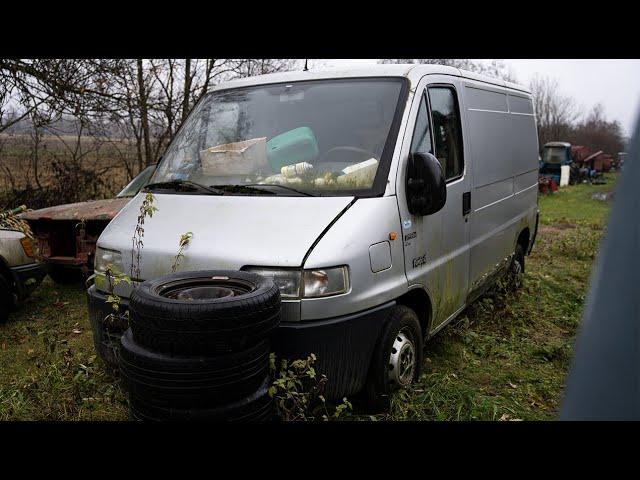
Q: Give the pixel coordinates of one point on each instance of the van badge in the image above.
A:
(410, 236)
(406, 224)
(419, 261)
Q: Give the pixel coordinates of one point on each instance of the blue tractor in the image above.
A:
(554, 156)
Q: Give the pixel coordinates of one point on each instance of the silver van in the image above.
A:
(382, 201)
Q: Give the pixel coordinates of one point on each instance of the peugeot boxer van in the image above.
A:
(382, 201)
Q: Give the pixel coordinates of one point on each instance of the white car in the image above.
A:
(20, 271)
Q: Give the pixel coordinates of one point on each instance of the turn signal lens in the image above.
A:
(325, 282)
(28, 247)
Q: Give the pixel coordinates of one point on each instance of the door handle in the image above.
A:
(466, 203)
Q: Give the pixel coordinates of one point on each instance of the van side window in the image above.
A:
(447, 131)
(421, 134)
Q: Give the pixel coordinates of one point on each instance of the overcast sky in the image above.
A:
(614, 83)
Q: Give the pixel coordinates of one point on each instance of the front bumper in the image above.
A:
(343, 345)
(28, 277)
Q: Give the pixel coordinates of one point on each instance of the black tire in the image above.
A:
(6, 299)
(192, 382)
(65, 275)
(209, 326)
(516, 269)
(378, 388)
(257, 407)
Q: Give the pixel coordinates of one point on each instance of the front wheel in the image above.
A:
(397, 359)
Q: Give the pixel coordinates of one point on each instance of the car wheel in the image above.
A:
(6, 299)
(397, 359)
(204, 312)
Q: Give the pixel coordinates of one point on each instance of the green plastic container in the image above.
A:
(295, 146)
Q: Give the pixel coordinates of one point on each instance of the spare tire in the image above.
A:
(204, 312)
(197, 381)
(257, 407)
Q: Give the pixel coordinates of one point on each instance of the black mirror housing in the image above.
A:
(426, 187)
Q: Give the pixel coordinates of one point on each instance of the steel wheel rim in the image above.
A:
(204, 289)
(402, 361)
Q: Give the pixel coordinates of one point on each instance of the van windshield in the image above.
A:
(325, 137)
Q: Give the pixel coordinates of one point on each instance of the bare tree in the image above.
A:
(597, 133)
(100, 113)
(555, 113)
(249, 67)
(495, 68)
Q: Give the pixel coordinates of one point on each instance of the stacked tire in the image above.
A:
(198, 347)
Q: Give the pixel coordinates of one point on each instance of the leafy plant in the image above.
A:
(298, 392)
(185, 238)
(147, 209)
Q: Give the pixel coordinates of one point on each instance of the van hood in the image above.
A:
(229, 232)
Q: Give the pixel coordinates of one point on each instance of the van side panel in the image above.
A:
(504, 153)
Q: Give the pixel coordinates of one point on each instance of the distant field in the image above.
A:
(505, 358)
(94, 154)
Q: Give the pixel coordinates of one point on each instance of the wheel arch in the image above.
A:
(524, 237)
(5, 271)
(419, 301)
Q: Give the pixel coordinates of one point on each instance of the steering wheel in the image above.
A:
(351, 150)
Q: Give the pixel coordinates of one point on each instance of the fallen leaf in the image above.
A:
(504, 417)
(512, 385)
(76, 331)
(60, 304)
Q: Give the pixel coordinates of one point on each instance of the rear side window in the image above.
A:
(421, 135)
(447, 131)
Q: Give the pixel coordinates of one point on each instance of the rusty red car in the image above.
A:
(67, 234)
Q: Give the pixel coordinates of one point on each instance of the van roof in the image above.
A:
(412, 71)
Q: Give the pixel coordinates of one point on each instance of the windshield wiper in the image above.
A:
(247, 189)
(183, 186)
(291, 189)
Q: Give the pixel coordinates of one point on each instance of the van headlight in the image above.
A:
(106, 258)
(314, 283)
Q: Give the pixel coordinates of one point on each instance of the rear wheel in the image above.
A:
(516, 270)
(397, 359)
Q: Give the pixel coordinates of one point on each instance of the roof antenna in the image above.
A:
(305, 69)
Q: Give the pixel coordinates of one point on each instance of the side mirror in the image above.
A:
(426, 187)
